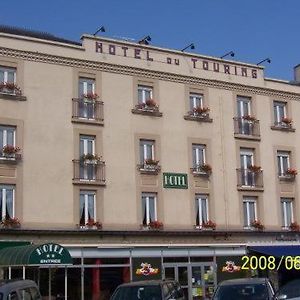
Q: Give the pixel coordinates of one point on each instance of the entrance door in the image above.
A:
(196, 279)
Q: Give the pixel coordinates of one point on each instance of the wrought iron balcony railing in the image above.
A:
(87, 109)
(246, 127)
(149, 168)
(10, 158)
(89, 171)
(249, 178)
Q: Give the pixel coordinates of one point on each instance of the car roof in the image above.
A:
(16, 283)
(244, 281)
(145, 282)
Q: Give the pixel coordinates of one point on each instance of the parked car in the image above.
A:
(149, 290)
(289, 291)
(244, 289)
(19, 290)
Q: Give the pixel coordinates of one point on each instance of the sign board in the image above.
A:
(175, 180)
(144, 268)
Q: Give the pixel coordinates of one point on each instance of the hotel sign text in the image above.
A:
(175, 180)
(195, 63)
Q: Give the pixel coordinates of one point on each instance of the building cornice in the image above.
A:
(134, 71)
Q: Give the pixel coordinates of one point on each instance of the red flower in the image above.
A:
(9, 149)
(156, 225)
(90, 96)
(209, 224)
(291, 171)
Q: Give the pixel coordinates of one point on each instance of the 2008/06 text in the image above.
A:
(270, 262)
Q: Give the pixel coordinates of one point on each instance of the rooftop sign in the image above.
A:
(176, 60)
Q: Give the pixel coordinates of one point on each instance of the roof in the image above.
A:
(243, 281)
(35, 34)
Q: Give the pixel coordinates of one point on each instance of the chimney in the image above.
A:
(297, 74)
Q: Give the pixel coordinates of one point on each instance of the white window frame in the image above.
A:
(281, 155)
(241, 100)
(86, 140)
(247, 201)
(5, 130)
(6, 70)
(144, 145)
(277, 116)
(287, 203)
(149, 197)
(196, 100)
(197, 150)
(144, 91)
(3, 190)
(199, 199)
(85, 82)
(86, 194)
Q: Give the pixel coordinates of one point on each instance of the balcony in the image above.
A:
(149, 108)
(283, 126)
(10, 91)
(199, 115)
(288, 175)
(87, 111)
(202, 170)
(246, 128)
(250, 180)
(9, 155)
(90, 172)
(150, 168)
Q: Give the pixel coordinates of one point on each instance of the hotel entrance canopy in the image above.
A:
(35, 255)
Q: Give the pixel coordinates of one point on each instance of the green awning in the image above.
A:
(35, 255)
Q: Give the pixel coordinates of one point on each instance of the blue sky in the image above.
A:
(253, 29)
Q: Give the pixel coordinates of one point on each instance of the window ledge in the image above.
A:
(282, 128)
(89, 182)
(291, 178)
(250, 188)
(201, 174)
(88, 121)
(247, 137)
(206, 119)
(153, 113)
(6, 96)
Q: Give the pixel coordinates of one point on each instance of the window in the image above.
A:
(7, 75)
(87, 206)
(147, 148)
(199, 157)
(86, 86)
(88, 168)
(7, 136)
(250, 213)
(201, 209)
(144, 93)
(283, 162)
(149, 212)
(196, 100)
(245, 118)
(287, 211)
(7, 201)
(247, 160)
(243, 106)
(279, 112)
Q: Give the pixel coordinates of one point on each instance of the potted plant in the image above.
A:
(156, 225)
(294, 226)
(10, 151)
(249, 118)
(257, 225)
(90, 96)
(287, 121)
(254, 168)
(90, 158)
(92, 224)
(151, 161)
(206, 168)
(209, 225)
(291, 172)
(11, 223)
(151, 103)
(10, 88)
(202, 111)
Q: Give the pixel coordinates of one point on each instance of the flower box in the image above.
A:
(294, 226)
(151, 103)
(209, 225)
(157, 225)
(150, 161)
(10, 150)
(287, 121)
(257, 225)
(254, 169)
(90, 158)
(202, 111)
(91, 224)
(292, 172)
(11, 223)
(10, 88)
(90, 96)
(249, 118)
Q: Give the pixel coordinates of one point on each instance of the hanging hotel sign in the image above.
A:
(206, 64)
(175, 180)
(146, 268)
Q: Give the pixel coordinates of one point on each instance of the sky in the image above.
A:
(253, 29)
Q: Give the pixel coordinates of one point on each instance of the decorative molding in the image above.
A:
(133, 71)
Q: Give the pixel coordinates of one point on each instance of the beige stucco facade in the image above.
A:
(47, 196)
